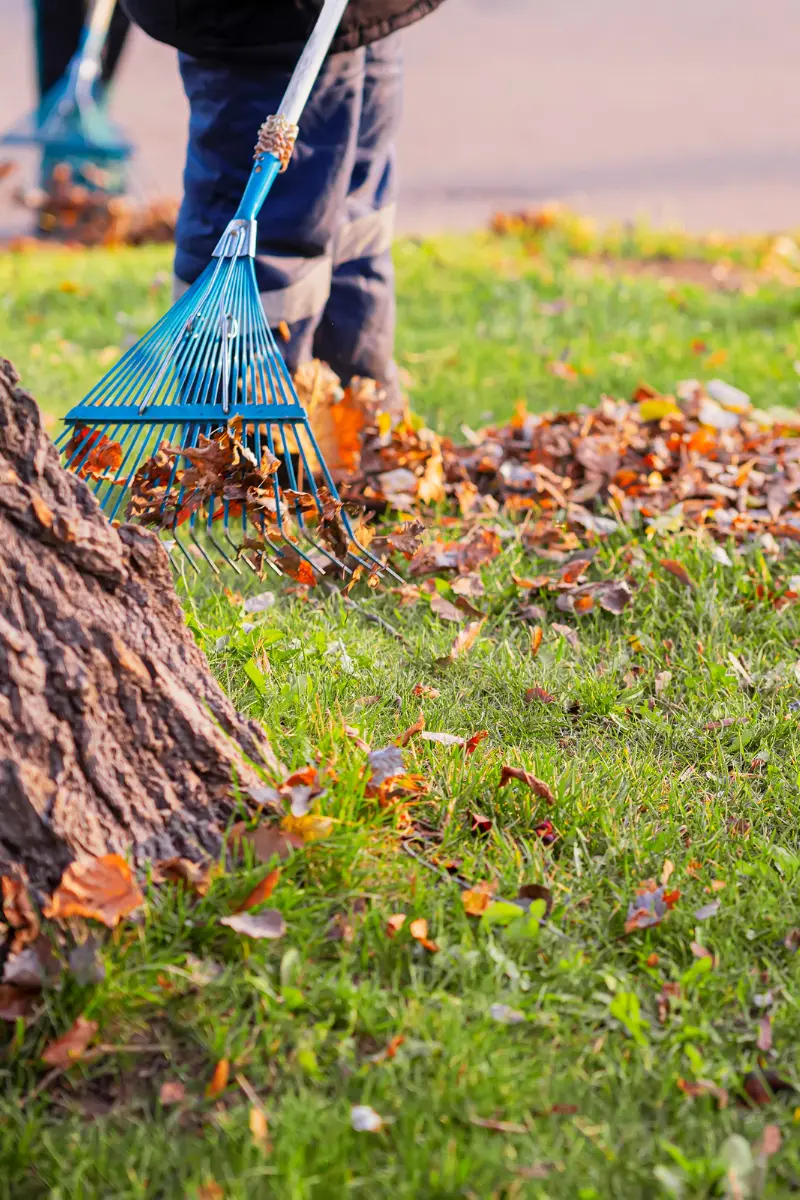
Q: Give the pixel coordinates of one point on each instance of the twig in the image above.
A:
(251, 1093)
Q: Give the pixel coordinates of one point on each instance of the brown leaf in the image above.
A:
(15, 1002)
(537, 891)
(704, 1087)
(469, 586)
(568, 633)
(678, 570)
(261, 892)
(536, 640)
(101, 889)
(422, 689)
(219, 1080)
(182, 870)
(760, 1087)
(267, 924)
(268, 841)
(499, 1126)
(770, 1141)
(412, 731)
(538, 694)
(464, 642)
(71, 1045)
(171, 1091)
(444, 609)
(614, 597)
(18, 912)
(537, 786)
(386, 764)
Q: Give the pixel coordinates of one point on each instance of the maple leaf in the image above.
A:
(101, 889)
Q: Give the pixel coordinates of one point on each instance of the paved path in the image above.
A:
(677, 109)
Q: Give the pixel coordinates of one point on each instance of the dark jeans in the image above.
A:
(57, 28)
(324, 261)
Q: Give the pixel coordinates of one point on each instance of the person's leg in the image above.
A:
(57, 32)
(356, 334)
(300, 218)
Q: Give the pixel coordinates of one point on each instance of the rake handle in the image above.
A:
(87, 62)
(267, 164)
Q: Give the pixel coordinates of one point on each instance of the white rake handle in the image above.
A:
(312, 58)
(87, 64)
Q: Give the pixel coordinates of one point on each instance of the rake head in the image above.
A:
(71, 123)
(198, 431)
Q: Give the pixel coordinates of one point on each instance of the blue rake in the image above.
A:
(208, 371)
(70, 122)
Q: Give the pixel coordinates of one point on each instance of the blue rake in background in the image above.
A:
(71, 121)
(209, 365)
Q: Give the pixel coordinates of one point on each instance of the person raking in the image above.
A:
(323, 263)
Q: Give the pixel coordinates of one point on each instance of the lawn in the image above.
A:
(565, 1059)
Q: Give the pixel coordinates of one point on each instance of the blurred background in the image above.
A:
(674, 110)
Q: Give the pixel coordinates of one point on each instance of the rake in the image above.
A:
(70, 122)
(208, 379)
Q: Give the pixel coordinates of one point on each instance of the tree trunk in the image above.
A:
(113, 734)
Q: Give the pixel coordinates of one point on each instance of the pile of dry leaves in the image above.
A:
(91, 216)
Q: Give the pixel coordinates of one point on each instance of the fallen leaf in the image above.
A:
(537, 786)
(443, 608)
(651, 905)
(422, 689)
(71, 1045)
(478, 898)
(568, 633)
(258, 1126)
(386, 764)
(261, 892)
(704, 1087)
(464, 642)
(478, 823)
(700, 951)
(419, 931)
(472, 743)
(181, 870)
(505, 1015)
(760, 1087)
(770, 1141)
(678, 570)
(171, 1091)
(408, 734)
(15, 1002)
(444, 739)
(268, 841)
(666, 871)
(267, 924)
(19, 913)
(537, 891)
(210, 1190)
(309, 828)
(499, 1126)
(539, 694)
(613, 597)
(365, 1119)
(395, 923)
(219, 1080)
(101, 889)
(764, 1036)
(536, 640)
(708, 910)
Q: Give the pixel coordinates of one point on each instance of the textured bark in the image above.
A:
(113, 734)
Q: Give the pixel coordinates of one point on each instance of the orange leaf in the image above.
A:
(261, 892)
(219, 1080)
(465, 641)
(472, 743)
(678, 570)
(102, 889)
(71, 1045)
(395, 922)
(476, 900)
(407, 734)
(18, 912)
(536, 639)
(539, 693)
(418, 928)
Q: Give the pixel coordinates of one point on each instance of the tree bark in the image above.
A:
(113, 734)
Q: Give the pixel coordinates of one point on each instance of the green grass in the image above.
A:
(639, 778)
